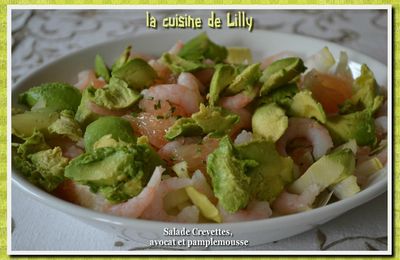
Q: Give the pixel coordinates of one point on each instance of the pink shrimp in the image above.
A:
(255, 210)
(69, 148)
(133, 208)
(160, 107)
(187, 98)
(164, 74)
(189, 214)
(154, 128)
(237, 101)
(270, 59)
(288, 203)
(309, 129)
(192, 150)
(188, 80)
(204, 75)
(237, 104)
(88, 78)
(176, 48)
(156, 211)
(200, 183)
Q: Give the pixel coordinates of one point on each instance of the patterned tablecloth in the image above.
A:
(41, 35)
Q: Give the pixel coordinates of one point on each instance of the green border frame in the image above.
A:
(3, 99)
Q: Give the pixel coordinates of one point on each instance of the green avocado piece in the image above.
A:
(245, 81)
(215, 120)
(269, 121)
(115, 95)
(122, 59)
(366, 95)
(239, 55)
(67, 126)
(178, 65)
(230, 183)
(33, 144)
(24, 125)
(183, 127)
(84, 115)
(119, 128)
(358, 125)
(118, 173)
(282, 96)
(201, 47)
(137, 73)
(222, 77)
(53, 96)
(328, 170)
(101, 68)
(304, 105)
(273, 172)
(44, 168)
(108, 141)
(212, 120)
(280, 73)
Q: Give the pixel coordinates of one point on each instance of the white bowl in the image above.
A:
(262, 44)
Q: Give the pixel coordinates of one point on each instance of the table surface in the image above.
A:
(39, 36)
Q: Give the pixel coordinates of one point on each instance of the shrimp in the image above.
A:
(255, 210)
(87, 78)
(237, 104)
(164, 74)
(188, 80)
(192, 150)
(69, 148)
(160, 107)
(151, 126)
(189, 214)
(187, 98)
(204, 75)
(133, 208)
(156, 211)
(176, 48)
(288, 203)
(200, 183)
(309, 129)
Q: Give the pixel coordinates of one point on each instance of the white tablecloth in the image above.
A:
(39, 36)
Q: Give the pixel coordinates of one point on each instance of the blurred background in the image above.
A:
(39, 36)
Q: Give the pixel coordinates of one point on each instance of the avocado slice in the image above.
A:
(358, 125)
(304, 105)
(328, 170)
(280, 73)
(245, 81)
(273, 172)
(222, 77)
(201, 47)
(67, 126)
(118, 173)
(53, 96)
(230, 183)
(212, 120)
(119, 128)
(122, 59)
(115, 95)
(269, 121)
(178, 65)
(137, 73)
(282, 96)
(101, 68)
(84, 115)
(24, 125)
(183, 127)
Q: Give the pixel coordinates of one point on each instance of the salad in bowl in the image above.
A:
(202, 134)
